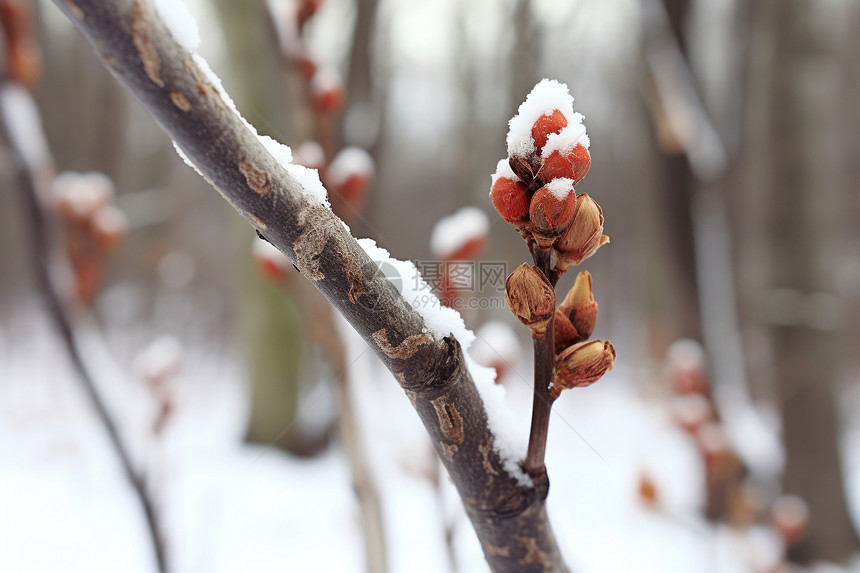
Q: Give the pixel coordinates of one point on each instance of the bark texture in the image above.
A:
(510, 519)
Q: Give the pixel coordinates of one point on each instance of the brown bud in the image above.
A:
(511, 200)
(585, 234)
(546, 124)
(552, 208)
(523, 167)
(582, 365)
(579, 305)
(648, 490)
(565, 333)
(531, 298)
(571, 164)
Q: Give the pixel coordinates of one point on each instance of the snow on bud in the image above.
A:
(460, 236)
(579, 305)
(790, 518)
(572, 163)
(350, 173)
(548, 123)
(310, 154)
(109, 226)
(159, 360)
(551, 210)
(547, 97)
(687, 367)
(585, 234)
(531, 298)
(691, 412)
(327, 91)
(271, 262)
(79, 195)
(582, 365)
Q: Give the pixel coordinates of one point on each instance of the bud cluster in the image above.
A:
(533, 189)
(93, 226)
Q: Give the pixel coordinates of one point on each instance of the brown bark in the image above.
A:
(509, 518)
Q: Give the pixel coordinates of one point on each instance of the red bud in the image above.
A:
(511, 200)
(551, 212)
(546, 124)
(570, 164)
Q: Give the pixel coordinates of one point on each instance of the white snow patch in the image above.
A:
(159, 359)
(82, 193)
(495, 341)
(454, 231)
(310, 154)
(569, 137)
(511, 441)
(309, 179)
(325, 80)
(561, 188)
(219, 87)
(284, 18)
(110, 220)
(440, 321)
(24, 125)
(348, 162)
(503, 170)
(180, 22)
(279, 151)
(185, 158)
(547, 95)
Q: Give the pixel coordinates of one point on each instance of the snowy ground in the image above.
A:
(64, 505)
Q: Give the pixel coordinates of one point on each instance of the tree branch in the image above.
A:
(509, 518)
(33, 170)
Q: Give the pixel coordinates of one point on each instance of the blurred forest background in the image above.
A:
(726, 156)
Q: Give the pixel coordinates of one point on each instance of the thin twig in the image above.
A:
(29, 185)
(544, 364)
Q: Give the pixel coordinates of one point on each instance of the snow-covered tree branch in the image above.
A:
(421, 343)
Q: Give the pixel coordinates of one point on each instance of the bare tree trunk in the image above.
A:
(509, 517)
(802, 203)
(678, 185)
